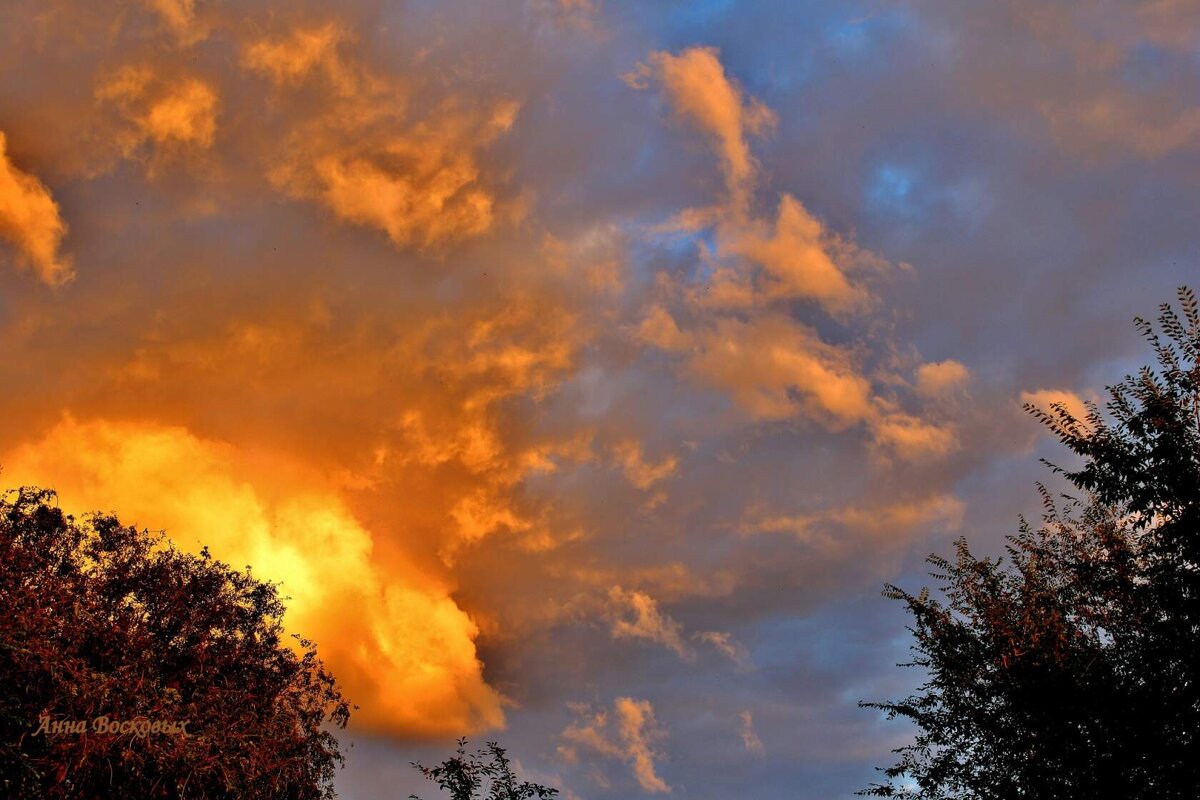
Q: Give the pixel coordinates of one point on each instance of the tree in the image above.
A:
(1068, 669)
(465, 775)
(131, 669)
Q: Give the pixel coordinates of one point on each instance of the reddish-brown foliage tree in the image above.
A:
(1071, 667)
(102, 620)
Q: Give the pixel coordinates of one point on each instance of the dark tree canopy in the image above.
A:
(1069, 668)
(483, 775)
(102, 620)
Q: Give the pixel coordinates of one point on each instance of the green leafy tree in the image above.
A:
(103, 621)
(483, 775)
(1068, 668)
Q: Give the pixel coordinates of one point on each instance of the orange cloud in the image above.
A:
(845, 528)
(1046, 399)
(796, 258)
(406, 655)
(423, 187)
(420, 398)
(171, 116)
(633, 740)
(638, 731)
(939, 378)
(659, 329)
(30, 221)
(290, 59)
(179, 16)
(703, 95)
(912, 438)
(635, 615)
(640, 472)
(776, 368)
(734, 326)
(366, 157)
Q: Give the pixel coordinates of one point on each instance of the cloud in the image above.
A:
(1084, 74)
(31, 222)
(179, 16)
(630, 737)
(1121, 122)
(911, 438)
(423, 186)
(573, 16)
(701, 94)
(726, 645)
(406, 655)
(659, 329)
(363, 152)
(642, 473)
(733, 322)
(1047, 399)
(750, 741)
(940, 378)
(639, 730)
(844, 528)
(795, 254)
(635, 615)
(291, 59)
(169, 116)
(776, 368)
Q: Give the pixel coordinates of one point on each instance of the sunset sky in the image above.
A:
(584, 368)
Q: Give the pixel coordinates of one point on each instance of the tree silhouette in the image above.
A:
(483, 775)
(1069, 668)
(129, 669)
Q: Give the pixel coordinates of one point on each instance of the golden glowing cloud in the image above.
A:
(423, 187)
(365, 156)
(30, 221)
(402, 648)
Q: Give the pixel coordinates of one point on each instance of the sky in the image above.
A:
(583, 369)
